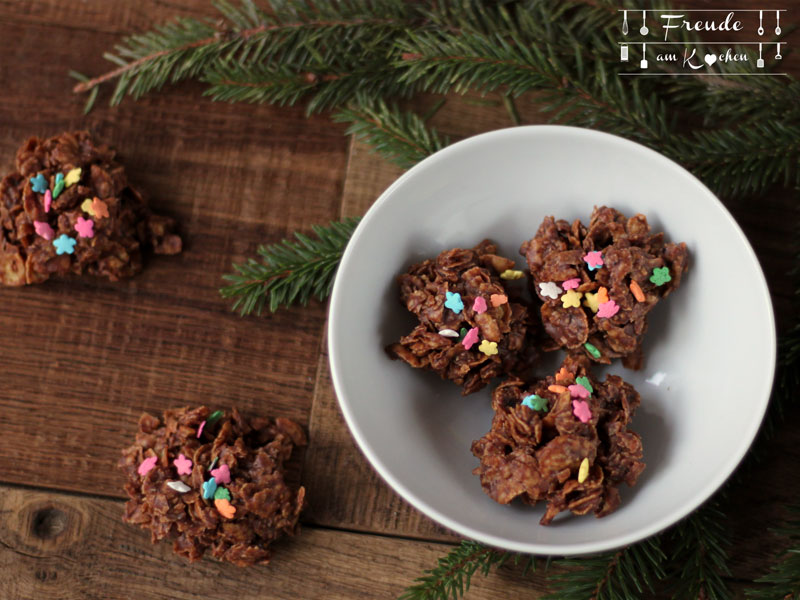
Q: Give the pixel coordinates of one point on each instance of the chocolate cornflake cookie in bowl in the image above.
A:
(469, 329)
(213, 481)
(69, 209)
(598, 283)
(563, 440)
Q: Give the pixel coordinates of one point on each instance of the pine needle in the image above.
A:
(290, 271)
(783, 580)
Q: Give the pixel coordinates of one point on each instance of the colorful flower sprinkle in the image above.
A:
(209, 487)
(488, 348)
(602, 295)
(225, 508)
(591, 349)
(178, 486)
(498, 299)
(200, 429)
(535, 402)
(563, 375)
(73, 177)
(99, 208)
(549, 289)
(607, 309)
(556, 389)
(222, 474)
(146, 465)
(580, 408)
(479, 305)
(453, 302)
(571, 299)
(43, 229)
(571, 284)
(583, 470)
(637, 292)
(578, 391)
(470, 339)
(183, 465)
(584, 381)
(222, 494)
(591, 302)
(58, 187)
(660, 276)
(512, 274)
(215, 416)
(594, 259)
(48, 201)
(462, 333)
(84, 227)
(39, 184)
(64, 244)
(451, 333)
(86, 206)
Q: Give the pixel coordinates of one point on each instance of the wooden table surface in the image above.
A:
(81, 361)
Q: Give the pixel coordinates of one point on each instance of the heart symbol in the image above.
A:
(710, 59)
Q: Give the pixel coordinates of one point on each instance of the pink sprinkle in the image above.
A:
(200, 429)
(479, 306)
(48, 200)
(183, 464)
(581, 410)
(571, 284)
(44, 230)
(471, 338)
(222, 474)
(84, 227)
(594, 259)
(578, 391)
(147, 464)
(607, 309)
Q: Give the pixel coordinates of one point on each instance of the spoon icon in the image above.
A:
(644, 30)
(624, 22)
(778, 55)
(777, 22)
(761, 22)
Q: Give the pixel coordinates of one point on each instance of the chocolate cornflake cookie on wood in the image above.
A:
(598, 283)
(213, 481)
(563, 440)
(469, 331)
(69, 209)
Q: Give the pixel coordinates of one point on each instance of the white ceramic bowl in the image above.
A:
(714, 338)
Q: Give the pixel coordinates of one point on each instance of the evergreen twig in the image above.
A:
(783, 580)
(290, 271)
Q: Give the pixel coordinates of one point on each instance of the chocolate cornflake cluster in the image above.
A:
(563, 440)
(469, 330)
(213, 481)
(597, 284)
(68, 209)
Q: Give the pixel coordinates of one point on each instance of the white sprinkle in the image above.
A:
(448, 333)
(550, 289)
(178, 486)
(656, 378)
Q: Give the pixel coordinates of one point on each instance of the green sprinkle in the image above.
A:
(58, 187)
(584, 381)
(215, 416)
(535, 402)
(222, 494)
(592, 350)
(213, 462)
(660, 276)
(462, 333)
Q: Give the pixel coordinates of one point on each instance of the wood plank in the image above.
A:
(62, 546)
(81, 360)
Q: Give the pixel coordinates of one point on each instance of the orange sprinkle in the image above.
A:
(498, 299)
(637, 292)
(225, 508)
(563, 375)
(557, 389)
(602, 295)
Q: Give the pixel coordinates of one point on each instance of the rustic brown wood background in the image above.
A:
(79, 362)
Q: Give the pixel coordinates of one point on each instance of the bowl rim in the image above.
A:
(701, 495)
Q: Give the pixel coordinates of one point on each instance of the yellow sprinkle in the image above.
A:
(591, 301)
(86, 206)
(583, 471)
(488, 348)
(512, 274)
(73, 177)
(571, 298)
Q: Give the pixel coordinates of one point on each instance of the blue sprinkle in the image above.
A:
(39, 184)
(209, 487)
(454, 302)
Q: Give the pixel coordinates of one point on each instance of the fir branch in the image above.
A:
(290, 271)
(616, 575)
(699, 555)
(783, 580)
(402, 138)
(452, 576)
